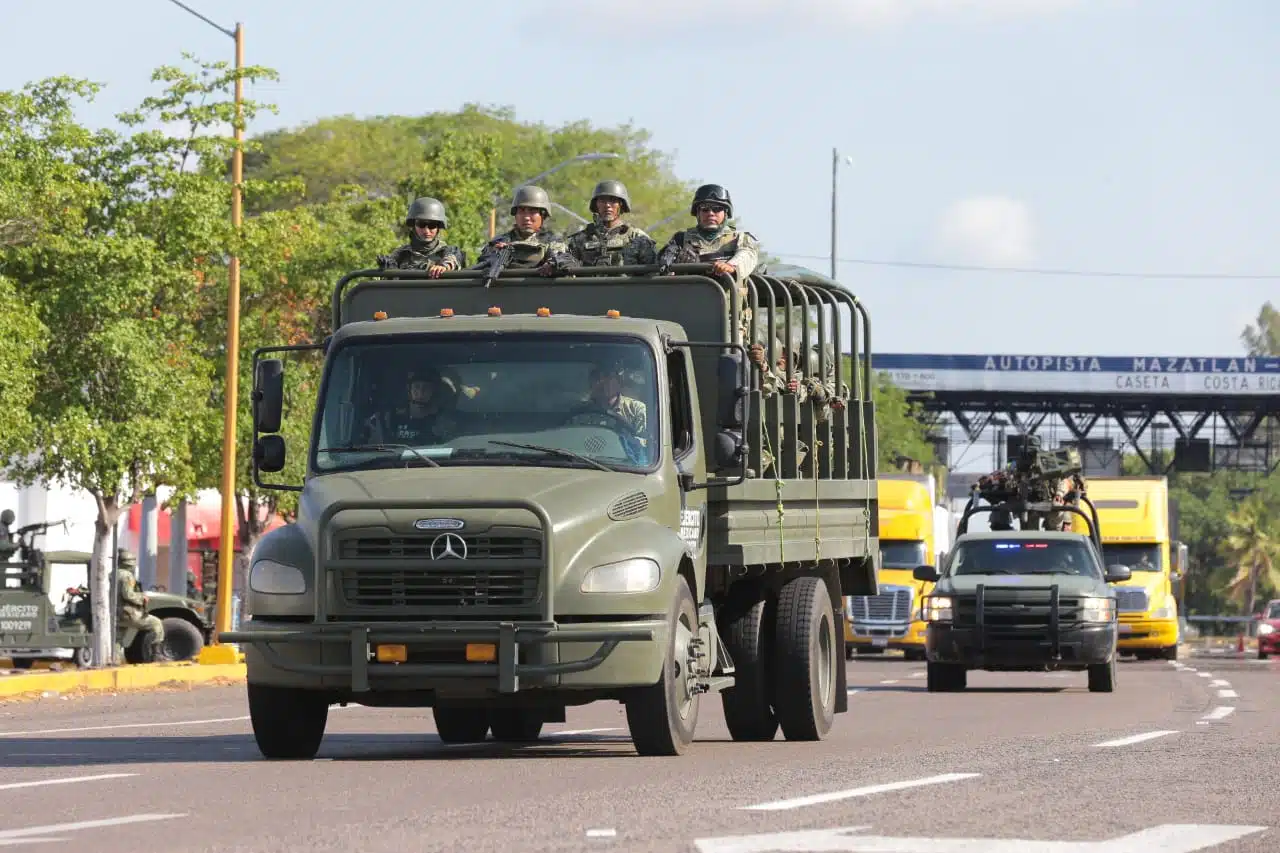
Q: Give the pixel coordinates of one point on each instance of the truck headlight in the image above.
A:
(637, 575)
(1097, 609)
(1165, 612)
(272, 578)
(1264, 629)
(937, 608)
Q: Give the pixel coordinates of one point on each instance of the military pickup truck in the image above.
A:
(1022, 601)
(476, 535)
(32, 627)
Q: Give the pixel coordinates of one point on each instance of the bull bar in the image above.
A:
(505, 634)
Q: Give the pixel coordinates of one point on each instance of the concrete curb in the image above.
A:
(136, 677)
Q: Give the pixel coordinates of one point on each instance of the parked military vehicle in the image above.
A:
(511, 549)
(33, 627)
(1028, 600)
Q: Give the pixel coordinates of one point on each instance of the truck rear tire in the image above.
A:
(805, 660)
(182, 639)
(662, 717)
(288, 722)
(1102, 677)
(1171, 653)
(946, 677)
(460, 725)
(515, 725)
(748, 704)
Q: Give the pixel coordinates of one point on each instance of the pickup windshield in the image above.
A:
(562, 400)
(1025, 557)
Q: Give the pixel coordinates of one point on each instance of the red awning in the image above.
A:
(204, 522)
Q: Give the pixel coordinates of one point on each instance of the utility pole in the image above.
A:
(835, 173)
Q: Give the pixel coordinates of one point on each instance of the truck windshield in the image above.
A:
(1139, 558)
(1025, 557)
(560, 400)
(901, 555)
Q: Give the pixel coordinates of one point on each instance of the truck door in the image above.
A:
(688, 453)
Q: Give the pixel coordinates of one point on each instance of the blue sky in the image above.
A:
(1122, 135)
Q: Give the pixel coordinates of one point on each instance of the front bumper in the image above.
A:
(1269, 644)
(1073, 646)
(886, 636)
(1147, 633)
(337, 655)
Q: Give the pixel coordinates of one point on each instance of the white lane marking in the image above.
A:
(833, 796)
(28, 832)
(67, 781)
(1228, 694)
(601, 833)
(919, 674)
(1205, 674)
(159, 724)
(1132, 739)
(890, 681)
(1217, 713)
(853, 690)
(1166, 838)
(1218, 682)
(573, 732)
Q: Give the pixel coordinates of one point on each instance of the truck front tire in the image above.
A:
(663, 716)
(460, 725)
(1102, 677)
(805, 660)
(288, 722)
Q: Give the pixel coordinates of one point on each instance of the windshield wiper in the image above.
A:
(373, 448)
(558, 451)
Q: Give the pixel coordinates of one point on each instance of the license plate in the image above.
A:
(880, 642)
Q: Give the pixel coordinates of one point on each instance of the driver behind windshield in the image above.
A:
(425, 417)
(605, 396)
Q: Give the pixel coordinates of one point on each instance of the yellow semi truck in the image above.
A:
(1133, 513)
(914, 531)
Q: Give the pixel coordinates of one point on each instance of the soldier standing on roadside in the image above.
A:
(531, 246)
(608, 241)
(425, 250)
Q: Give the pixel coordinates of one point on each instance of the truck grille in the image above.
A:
(419, 548)
(432, 587)
(891, 605)
(1131, 600)
(1014, 612)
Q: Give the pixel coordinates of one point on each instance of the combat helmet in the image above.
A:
(713, 193)
(126, 560)
(531, 196)
(427, 208)
(616, 189)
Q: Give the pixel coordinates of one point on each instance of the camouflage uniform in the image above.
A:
(725, 243)
(133, 606)
(531, 249)
(402, 425)
(597, 245)
(419, 254)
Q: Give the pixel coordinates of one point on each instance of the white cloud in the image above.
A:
(860, 14)
(988, 230)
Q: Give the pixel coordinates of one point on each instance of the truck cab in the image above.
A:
(523, 494)
(891, 619)
(1134, 514)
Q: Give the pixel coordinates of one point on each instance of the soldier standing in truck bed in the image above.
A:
(531, 246)
(425, 250)
(608, 240)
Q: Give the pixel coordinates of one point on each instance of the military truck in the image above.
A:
(517, 551)
(1028, 600)
(33, 627)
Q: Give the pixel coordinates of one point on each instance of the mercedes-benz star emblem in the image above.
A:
(448, 545)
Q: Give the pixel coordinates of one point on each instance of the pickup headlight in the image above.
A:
(1097, 609)
(938, 608)
(637, 575)
(272, 578)
(1264, 630)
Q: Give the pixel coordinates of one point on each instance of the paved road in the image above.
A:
(1015, 757)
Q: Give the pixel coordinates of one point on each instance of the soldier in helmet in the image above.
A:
(608, 241)
(133, 605)
(425, 250)
(532, 247)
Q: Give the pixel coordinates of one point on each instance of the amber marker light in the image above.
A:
(613, 313)
(379, 315)
(393, 654)
(544, 312)
(495, 311)
(482, 652)
(446, 312)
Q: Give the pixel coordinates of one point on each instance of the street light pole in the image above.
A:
(581, 158)
(835, 173)
(226, 544)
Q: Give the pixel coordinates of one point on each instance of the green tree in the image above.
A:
(1263, 337)
(1253, 543)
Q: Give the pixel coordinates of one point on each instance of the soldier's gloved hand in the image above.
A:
(386, 261)
(435, 271)
(724, 267)
(793, 385)
(757, 355)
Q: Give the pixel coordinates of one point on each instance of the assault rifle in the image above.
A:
(671, 255)
(497, 262)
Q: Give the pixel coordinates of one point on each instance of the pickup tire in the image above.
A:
(460, 725)
(515, 725)
(288, 722)
(805, 659)
(1102, 677)
(748, 704)
(182, 640)
(662, 717)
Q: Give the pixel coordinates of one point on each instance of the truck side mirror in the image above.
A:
(730, 392)
(268, 453)
(1117, 573)
(925, 573)
(268, 396)
(729, 448)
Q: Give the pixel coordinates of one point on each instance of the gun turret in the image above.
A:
(1036, 476)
